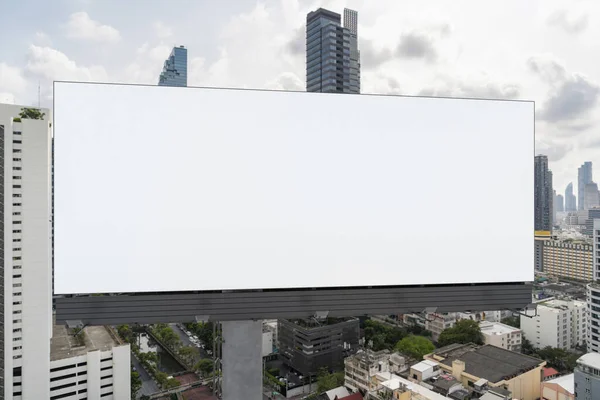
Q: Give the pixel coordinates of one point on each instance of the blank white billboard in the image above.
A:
(179, 189)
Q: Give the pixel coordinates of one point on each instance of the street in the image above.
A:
(186, 342)
(148, 385)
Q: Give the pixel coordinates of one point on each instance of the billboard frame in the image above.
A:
(239, 305)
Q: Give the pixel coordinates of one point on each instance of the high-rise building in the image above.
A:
(25, 261)
(332, 55)
(591, 198)
(543, 194)
(559, 203)
(584, 176)
(587, 377)
(174, 71)
(570, 199)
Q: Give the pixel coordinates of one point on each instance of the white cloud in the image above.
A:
(162, 31)
(82, 27)
(13, 85)
(42, 39)
(46, 65)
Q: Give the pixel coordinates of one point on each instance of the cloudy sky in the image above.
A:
(541, 50)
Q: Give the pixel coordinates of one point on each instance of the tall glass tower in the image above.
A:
(332, 55)
(584, 176)
(174, 72)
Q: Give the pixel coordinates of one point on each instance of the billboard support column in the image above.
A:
(242, 360)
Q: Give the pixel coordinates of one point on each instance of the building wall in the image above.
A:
(26, 255)
(94, 376)
(551, 327)
(307, 350)
(267, 343)
(501, 335)
(587, 384)
(593, 326)
(553, 391)
(568, 260)
(436, 323)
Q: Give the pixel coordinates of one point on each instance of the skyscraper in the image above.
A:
(332, 55)
(590, 196)
(584, 176)
(560, 203)
(543, 194)
(174, 71)
(570, 199)
(25, 261)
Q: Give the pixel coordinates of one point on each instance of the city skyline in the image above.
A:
(404, 50)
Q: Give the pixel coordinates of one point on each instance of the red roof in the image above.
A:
(354, 396)
(550, 372)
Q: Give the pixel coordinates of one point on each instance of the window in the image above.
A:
(17, 222)
(16, 159)
(16, 240)
(17, 195)
(17, 249)
(16, 177)
(16, 186)
(17, 141)
(17, 285)
(17, 347)
(17, 151)
(16, 168)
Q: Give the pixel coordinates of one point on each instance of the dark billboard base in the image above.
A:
(150, 308)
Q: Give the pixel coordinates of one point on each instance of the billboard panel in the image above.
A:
(163, 189)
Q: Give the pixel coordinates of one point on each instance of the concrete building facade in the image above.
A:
(568, 259)
(587, 377)
(501, 335)
(558, 323)
(25, 261)
(94, 366)
(543, 197)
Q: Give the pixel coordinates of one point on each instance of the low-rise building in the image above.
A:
(501, 335)
(560, 388)
(403, 389)
(361, 367)
(424, 371)
(436, 323)
(492, 367)
(93, 364)
(557, 323)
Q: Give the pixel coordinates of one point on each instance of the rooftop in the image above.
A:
(489, 362)
(424, 365)
(549, 372)
(65, 345)
(397, 382)
(590, 359)
(496, 328)
(567, 382)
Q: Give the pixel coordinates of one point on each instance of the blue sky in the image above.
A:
(542, 50)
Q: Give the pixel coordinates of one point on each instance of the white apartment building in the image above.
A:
(501, 335)
(26, 255)
(559, 323)
(98, 370)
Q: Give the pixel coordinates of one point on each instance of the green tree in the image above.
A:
(512, 321)
(463, 331)
(125, 333)
(527, 347)
(327, 381)
(171, 383)
(31, 113)
(188, 353)
(415, 346)
(382, 335)
(563, 360)
(136, 384)
(205, 366)
(161, 378)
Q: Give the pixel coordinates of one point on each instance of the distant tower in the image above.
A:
(174, 71)
(332, 55)
(543, 194)
(584, 176)
(560, 203)
(570, 199)
(590, 196)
